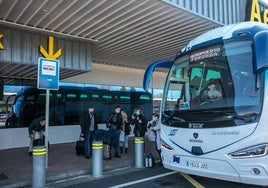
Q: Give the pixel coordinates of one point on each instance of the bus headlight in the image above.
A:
(165, 145)
(254, 151)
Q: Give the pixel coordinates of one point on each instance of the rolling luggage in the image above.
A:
(79, 147)
(106, 151)
(103, 135)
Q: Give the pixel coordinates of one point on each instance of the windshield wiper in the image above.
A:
(245, 117)
(223, 116)
(172, 116)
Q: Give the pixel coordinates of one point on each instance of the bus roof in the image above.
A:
(225, 32)
(29, 89)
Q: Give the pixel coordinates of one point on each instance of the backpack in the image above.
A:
(149, 161)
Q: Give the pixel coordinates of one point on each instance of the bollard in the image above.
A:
(139, 151)
(39, 167)
(97, 158)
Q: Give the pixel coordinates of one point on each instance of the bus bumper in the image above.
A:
(218, 169)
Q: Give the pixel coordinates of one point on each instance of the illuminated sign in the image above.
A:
(256, 11)
(1, 45)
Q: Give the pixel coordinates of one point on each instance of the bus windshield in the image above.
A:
(213, 83)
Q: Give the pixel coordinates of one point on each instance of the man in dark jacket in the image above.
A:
(114, 124)
(38, 125)
(89, 124)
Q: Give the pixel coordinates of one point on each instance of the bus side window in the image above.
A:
(72, 107)
(28, 110)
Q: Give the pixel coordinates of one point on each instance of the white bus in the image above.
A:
(218, 125)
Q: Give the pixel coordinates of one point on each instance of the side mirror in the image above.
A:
(260, 52)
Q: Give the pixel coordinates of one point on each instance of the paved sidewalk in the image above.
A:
(63, 163)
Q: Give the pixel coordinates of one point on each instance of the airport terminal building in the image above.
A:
(104, 43)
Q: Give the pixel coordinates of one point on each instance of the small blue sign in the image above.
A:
(48, 74)
(176, 159)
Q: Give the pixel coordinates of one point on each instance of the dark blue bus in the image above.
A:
(67, 104)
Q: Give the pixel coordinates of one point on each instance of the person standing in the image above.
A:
(154, 126)
(38, 125)
(88, 127)
(140, 122)
(114, 124)
(126, 131)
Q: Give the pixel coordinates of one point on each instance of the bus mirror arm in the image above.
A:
(149, 71)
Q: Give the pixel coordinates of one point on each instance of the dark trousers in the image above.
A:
(88, 143)
(115, 139)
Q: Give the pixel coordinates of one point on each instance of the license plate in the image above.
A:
(196, 164)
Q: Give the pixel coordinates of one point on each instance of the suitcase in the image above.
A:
(106, 151)
(103, 135)
(79, 147)
(39, 142)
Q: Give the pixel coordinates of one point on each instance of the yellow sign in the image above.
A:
(1, 45)
(256, 15)
(50, 53)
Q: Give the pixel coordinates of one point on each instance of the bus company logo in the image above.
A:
(172, 132)
(195, 140)
(195, 135)
(195, 125)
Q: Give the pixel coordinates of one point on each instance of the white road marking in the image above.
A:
(143, 180)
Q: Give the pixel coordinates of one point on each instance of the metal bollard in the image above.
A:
(139, 152)
(97, 158)
(39, 167)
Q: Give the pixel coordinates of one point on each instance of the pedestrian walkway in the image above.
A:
(63, 163)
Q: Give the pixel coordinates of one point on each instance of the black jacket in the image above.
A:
(115, 121)
(140, 123)
(86, 122)
(35, 126)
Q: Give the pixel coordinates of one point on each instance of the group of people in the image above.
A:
(118, 124)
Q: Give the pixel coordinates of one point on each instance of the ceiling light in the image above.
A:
(45, 9)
